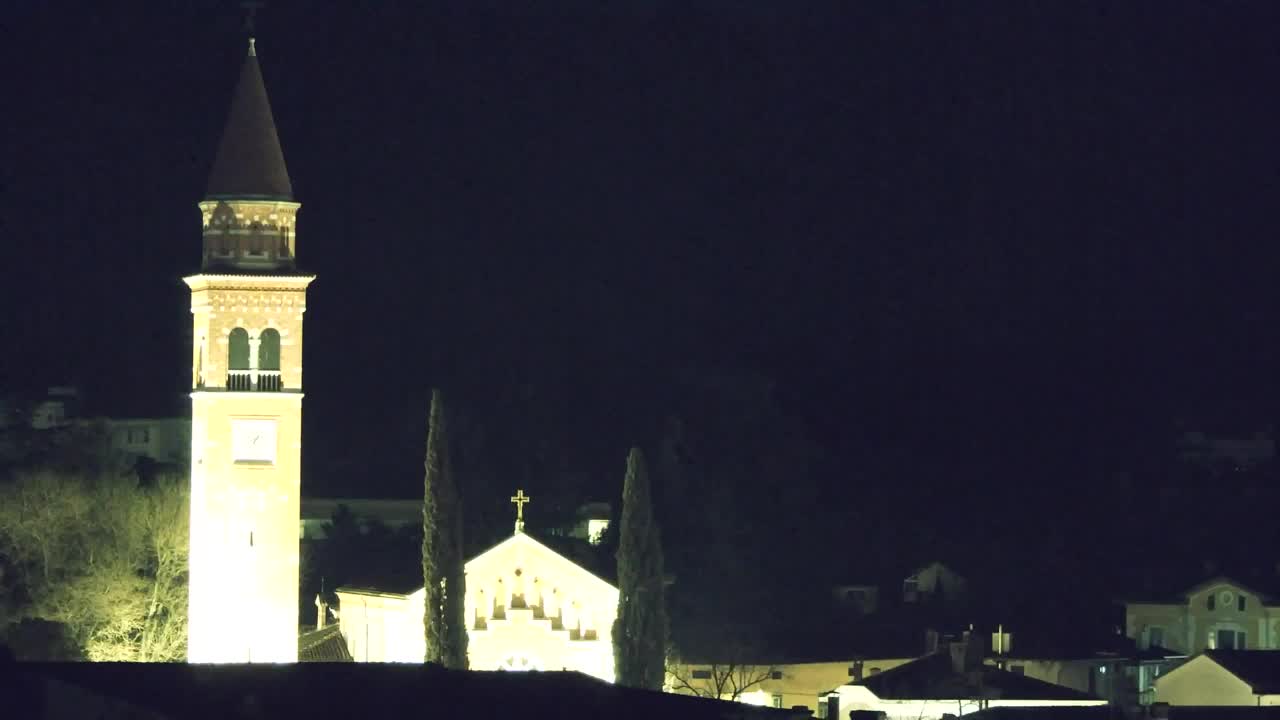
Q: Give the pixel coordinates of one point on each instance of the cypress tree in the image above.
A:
(444, 614)
(454, 575)
(640, 631)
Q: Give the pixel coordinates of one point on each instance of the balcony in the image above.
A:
(254, 381)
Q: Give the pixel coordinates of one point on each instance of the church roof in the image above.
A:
(522, 537)
(250, 163)
(409, 581)
(323, 645)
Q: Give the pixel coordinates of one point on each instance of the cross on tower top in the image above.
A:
(251, 10)
(520, 499)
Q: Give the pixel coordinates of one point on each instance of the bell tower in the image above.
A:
(246, 401)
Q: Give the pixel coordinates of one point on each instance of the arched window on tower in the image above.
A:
(220, 224)
(282, 248)
(238, 373)
(256, 246)
(269, 360)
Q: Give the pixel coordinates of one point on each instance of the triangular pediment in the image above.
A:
(518, 550)
(521, 548)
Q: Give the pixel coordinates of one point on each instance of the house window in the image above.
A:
(777, 701)
(775, 675)
(1227, 640)
(1155, 637)
(910, 589)
(701, 674)
(1212, 602)
(138, 436)
(822, 709)
(1018, 669)
(1240, 603)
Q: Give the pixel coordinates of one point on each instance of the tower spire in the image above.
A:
(249, 214)
(250, 163)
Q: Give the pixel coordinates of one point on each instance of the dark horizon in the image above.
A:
(967, 246)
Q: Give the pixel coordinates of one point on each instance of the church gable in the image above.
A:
(521, 549)
(528, 607)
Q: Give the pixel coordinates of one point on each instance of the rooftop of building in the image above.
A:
(1260, 669)
(933, 677)
(323, 645)
(341, 690)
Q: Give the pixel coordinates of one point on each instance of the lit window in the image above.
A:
(595, 530)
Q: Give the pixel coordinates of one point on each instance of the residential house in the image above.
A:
(780, 685)
(57, 409)
(934, 581)
(1221, 613)
(803, 661)
(948, 682)
(591, 521)
(859, 599)
(161, 440)
(1113, 670)
(935, 586)
(317, 513)
(1223, 677)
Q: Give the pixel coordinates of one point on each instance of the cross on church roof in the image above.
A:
(520, 499)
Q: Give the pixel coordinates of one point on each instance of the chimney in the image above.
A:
(322, 611)
(930, 641)
(958, 651)
(975, 655)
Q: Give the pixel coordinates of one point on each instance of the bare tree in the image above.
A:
(728, 680)
(104, 558)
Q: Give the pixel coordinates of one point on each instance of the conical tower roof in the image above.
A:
(249, 163)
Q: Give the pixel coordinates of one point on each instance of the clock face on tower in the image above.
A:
(253, 441)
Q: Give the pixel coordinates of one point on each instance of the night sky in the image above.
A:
(970, 244)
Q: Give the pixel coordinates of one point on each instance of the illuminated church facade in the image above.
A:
(527, 608)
